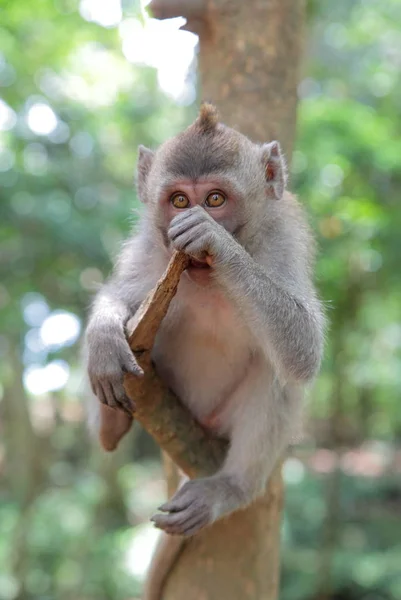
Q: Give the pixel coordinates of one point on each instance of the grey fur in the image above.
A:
(255, 333)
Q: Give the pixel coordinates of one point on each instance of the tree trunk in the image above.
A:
(249, 59)
(237, 558)
(249, 66)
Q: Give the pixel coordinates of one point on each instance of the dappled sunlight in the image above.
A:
(8, 118)
(94, 76)
(41, 119)
(35, 309)
(162, 45)
(293, 471)
(60, 329)
(39, 380)
(50, 332)
(107, 13)
(140, 549)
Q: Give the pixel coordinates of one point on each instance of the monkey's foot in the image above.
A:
(197, 504)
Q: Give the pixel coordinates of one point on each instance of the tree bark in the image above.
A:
(249, 59)
(237, 558)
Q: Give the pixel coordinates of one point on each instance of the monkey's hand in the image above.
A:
(199, 503)
(109, 357)
(196, 233)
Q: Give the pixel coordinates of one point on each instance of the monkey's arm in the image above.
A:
(110, 310)
(288, 321)
(120, 296)
(107, 350)
(276, 300)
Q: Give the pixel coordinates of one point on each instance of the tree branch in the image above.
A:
(158, 410)
(168, 9)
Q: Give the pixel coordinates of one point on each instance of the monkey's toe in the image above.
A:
(185, 522)
(187, 512)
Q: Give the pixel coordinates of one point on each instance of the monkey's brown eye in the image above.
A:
(215, 199)
(179, 201)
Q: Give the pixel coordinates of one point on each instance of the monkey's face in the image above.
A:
(216, 195)
(216, 168)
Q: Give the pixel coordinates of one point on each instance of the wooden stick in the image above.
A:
(158, 410)
(143, 326)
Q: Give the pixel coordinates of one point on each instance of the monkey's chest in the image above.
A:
(202, 353)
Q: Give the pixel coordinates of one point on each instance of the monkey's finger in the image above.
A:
(124, 402)
(183, 216)
(179, 502)
(108, 392)
(193, 237)
(98, 391)
(120, 394)
(182, 523)
(191, 217)
(181, 530)
(129, 365)
(172, 519)
(194, 528)
(188, 226)
(176, 522)
(180, 219)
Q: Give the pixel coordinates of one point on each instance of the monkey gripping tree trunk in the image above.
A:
(249, 61)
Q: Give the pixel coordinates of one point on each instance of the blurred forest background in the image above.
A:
(81, 85)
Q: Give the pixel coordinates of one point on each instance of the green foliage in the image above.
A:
(347, 168)
(366, 559)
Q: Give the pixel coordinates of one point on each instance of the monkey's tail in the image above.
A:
(167, 551)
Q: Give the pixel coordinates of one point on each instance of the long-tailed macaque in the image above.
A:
(243, 337)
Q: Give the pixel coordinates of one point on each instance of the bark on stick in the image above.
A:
(158, 410)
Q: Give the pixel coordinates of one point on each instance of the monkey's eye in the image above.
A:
(179, 201)
(215, 199)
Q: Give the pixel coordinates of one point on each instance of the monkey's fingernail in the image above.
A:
(162, 507)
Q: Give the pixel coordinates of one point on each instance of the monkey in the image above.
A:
(244, 335)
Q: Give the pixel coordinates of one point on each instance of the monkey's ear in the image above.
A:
(145, 159)
(275, 170)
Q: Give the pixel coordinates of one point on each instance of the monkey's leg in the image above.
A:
(263, 429)
(263, 423)
(114, 424)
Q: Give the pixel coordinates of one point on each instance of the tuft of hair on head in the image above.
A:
(208, 118)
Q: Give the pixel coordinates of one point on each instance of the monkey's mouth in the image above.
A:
(198, 264)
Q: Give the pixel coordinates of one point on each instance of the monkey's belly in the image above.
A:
(203, 349)
(203, 372)
(205, 387)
